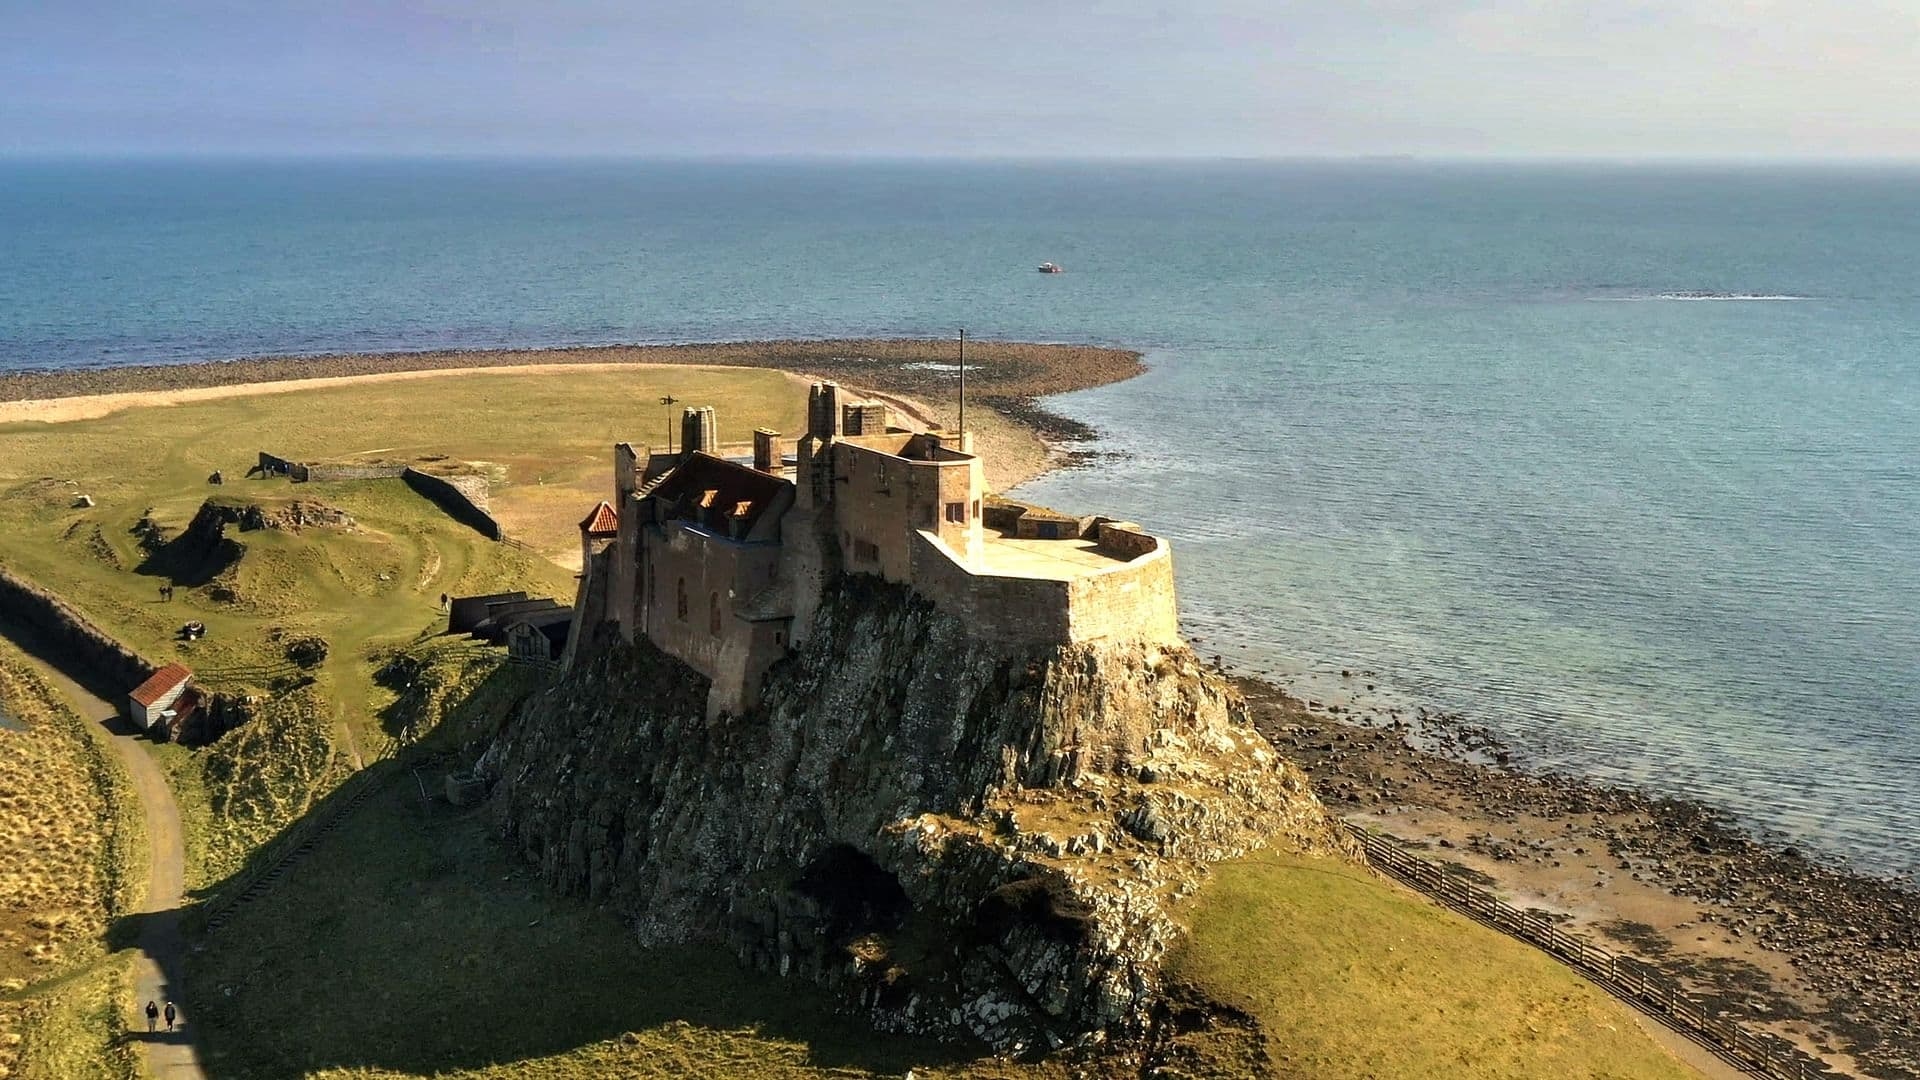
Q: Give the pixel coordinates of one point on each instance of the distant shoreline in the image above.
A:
(1007, 376)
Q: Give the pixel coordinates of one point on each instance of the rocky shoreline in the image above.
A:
(1821, 955)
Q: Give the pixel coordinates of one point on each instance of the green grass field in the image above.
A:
(1349, 977)
(545, 438)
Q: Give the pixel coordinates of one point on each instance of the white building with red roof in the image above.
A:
(154, 699)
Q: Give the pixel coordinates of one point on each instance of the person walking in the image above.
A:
(172, 1014)
(153, 1013)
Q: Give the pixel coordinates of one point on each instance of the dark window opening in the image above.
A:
(713, 613)
(957, 513)
(680, 600)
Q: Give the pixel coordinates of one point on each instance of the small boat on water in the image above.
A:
(1052, 268)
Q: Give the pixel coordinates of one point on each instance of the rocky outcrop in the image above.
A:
(203, 551)
(963, 838)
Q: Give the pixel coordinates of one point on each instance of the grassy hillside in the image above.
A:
(365, 588)
(1349, 977)
(70, 840)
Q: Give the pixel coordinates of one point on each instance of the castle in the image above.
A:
(721, 561)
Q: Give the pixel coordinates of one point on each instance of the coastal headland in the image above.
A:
(1823, 957)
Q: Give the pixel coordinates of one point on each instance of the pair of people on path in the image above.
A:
(166, 593)
(153, 1013)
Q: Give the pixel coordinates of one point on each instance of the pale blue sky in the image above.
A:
(1505, 78)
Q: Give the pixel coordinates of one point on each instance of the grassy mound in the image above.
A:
(1346, 976)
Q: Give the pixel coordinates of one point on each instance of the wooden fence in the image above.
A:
(1626, 978)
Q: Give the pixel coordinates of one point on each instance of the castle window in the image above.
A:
(957, 513)
(976, 509)
(713, 613)
(865, 551)
(680, 599)
(779, 638)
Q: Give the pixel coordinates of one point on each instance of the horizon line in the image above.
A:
(618, 157)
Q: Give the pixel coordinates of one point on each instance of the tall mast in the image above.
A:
(963, 384)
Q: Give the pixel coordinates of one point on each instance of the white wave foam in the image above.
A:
(1641, 298)
(1728, 296)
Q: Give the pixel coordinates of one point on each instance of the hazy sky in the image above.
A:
(987, 77)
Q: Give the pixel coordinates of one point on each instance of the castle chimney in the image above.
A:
(699, 432)
(766, 451)
(866, 418)
(823, 410)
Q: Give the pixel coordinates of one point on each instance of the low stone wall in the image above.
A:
(457, 503)
(323, 470)
(71, 632)
(301, 472)
(1124, 539)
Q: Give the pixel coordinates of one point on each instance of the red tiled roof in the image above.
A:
(604, 521)
(160, 683)
(705, 485)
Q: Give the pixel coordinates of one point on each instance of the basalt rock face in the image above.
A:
(963, 838)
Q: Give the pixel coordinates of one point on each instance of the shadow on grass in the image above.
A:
(408, 940)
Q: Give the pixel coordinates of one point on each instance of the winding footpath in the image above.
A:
(158, 970)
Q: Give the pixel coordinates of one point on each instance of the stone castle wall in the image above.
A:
(1132, 601)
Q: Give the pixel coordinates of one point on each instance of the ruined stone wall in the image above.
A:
(456, 501)
(1040, 813)
(338, 470)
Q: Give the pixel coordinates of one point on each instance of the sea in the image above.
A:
(1622, 462)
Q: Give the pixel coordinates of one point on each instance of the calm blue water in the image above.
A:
(1468, 427)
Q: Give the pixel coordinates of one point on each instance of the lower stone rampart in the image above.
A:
(1131, 600)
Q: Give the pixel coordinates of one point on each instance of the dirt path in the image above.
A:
(157, 970)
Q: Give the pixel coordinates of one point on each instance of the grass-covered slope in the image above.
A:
(1347, 976)
(70, 838)
(364, 587)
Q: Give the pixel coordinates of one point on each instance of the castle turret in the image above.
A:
(699, 431)
(621, 582)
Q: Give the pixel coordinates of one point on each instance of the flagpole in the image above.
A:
(963, 385)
